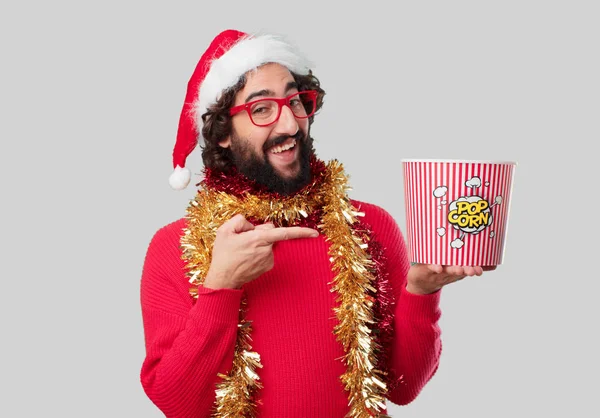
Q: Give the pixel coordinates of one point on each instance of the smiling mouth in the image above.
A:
(283, 147)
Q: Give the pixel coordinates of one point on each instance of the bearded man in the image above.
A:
(277, 295)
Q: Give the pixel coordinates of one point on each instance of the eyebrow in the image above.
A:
(266, 92)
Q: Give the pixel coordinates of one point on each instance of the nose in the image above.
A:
(287, 123)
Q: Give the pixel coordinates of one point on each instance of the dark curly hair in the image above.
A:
(217, 121)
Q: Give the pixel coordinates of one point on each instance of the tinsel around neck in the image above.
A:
(362, 292)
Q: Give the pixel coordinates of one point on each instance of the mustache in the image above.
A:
(298, 136)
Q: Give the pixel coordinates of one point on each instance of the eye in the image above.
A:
(295, 102)
(257, 110)
(263, 108)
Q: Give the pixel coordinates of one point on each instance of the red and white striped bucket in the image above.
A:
(457, 211)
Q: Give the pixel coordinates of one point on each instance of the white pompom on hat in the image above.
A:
(230, 55)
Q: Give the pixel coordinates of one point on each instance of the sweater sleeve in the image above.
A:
(187, 344)
(416, 344)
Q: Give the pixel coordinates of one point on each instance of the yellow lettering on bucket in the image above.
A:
(470, 215)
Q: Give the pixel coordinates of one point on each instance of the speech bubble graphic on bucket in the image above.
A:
(457, 210)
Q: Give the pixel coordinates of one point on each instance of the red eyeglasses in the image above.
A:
(264, 112)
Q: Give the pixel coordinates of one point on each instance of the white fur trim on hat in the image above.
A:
(180, 178)
(247, 54)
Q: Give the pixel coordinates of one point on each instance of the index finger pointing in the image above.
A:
(287, 233)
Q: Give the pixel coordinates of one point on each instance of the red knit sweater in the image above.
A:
(291, 308)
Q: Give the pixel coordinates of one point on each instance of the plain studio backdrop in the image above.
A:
(91, 94)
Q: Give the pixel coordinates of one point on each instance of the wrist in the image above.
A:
(215, 280)
(416, 290)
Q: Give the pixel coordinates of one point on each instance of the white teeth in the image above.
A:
(280, 148)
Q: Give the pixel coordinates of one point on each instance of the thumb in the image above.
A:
(238, 224)
(436, 268)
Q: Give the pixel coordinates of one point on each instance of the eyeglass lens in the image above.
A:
(265, 111)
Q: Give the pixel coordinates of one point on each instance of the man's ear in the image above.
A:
(225, 143)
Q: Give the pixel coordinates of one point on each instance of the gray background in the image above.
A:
(90, 101)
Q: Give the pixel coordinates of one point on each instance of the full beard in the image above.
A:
(259, 169)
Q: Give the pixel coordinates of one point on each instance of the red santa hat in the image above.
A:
(229, 56)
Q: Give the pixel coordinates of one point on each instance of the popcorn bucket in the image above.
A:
(457, 210)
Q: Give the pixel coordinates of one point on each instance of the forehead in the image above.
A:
(268, 76)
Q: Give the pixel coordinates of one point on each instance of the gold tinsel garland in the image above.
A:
(354, 285)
